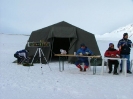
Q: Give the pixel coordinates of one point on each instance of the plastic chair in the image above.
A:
(131, 64)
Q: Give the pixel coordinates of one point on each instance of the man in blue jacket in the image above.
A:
(83, 51)
(124, 46)
(21, 56)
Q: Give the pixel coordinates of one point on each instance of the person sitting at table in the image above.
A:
(113, 53)
(83, 50)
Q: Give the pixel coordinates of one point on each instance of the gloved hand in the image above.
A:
(80, 54)
(118, 56)
(85, 54)
(89, 54)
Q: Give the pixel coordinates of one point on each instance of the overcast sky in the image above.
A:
(95, 16)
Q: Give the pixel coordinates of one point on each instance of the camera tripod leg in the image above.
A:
(40, 56)
(40, 59)
(45, 58)
(34, 56)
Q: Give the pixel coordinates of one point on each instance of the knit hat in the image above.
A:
(125, 34)
(82, 44)
(110, 44)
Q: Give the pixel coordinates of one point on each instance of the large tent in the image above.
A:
(65, 36)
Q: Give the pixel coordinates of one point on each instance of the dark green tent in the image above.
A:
(63, 36)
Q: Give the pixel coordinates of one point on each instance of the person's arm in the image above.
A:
(89, 52)
(107, 54)
(120, 44)
(25, 54)
(118, 52)
(78, 51)
(129, 43)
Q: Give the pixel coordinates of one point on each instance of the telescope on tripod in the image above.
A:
(39, 45)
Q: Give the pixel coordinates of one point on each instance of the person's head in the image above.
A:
(82, 46)
(111, 45)
(125, 35)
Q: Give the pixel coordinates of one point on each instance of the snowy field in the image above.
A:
(20, 82)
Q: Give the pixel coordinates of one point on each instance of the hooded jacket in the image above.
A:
(83, 51)
(23, 53)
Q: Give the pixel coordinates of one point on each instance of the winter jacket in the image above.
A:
(83, 51)
(22, 53)
(111, 53)
(125, 50)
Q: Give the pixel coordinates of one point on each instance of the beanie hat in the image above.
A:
(82, 44)
(125, 34)
(110, 44)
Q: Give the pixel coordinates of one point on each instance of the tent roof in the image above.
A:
(61, 24)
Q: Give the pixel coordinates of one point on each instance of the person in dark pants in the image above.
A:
(124, 46)
(115, 63)
(21, 56)
(111, 52)
(83, 51)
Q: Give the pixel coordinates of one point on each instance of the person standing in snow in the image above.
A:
(124, 46)
(113, 53)
(21, 55)
(83, 50)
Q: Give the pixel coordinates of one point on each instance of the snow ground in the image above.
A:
(20, 82)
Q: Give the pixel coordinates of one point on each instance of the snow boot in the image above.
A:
(85, 68)
(128, 71)
(80, 67)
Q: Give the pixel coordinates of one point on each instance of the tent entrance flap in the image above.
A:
(60, 43)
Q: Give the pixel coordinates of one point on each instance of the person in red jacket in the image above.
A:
(112, 52)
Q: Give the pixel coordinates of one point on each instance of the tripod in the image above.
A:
(40, 55)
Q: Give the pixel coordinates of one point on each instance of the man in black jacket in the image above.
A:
(124, 46)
